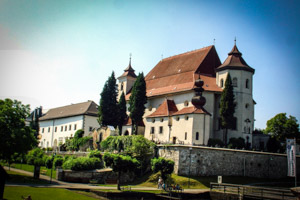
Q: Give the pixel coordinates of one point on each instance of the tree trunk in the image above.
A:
(36, 173)
(119, 180)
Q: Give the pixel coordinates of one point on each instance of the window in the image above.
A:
(90, 128)
(55, 129)
(247, 83)
(122, 86)
(197, 135)
(70, 127)
(160, 129)
(161, 119)
(249, 130)
(153, 120)
(75, 127)
(177, 118)
(234, 82)
(186, 117)
(152, 130)
(149, 108)
(43, 130)
(186, 103)
(66, 127)
(185, 136)
(222, 83)
(247, 106)
(48, 129)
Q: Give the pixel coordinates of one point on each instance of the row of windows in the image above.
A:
(176, 118)
(234, 83)
(62, 128)
(161, 131)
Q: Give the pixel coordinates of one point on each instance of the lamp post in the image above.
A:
(190, 149)
(53, 155)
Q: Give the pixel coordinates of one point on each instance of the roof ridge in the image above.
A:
(169, 75)
(70, 105)
(188, 52)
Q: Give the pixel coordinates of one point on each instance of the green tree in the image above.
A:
(137, 102)
(122, 112)
(108, 108)
(164, 166)
(35, 157)
(227, 108)
(120, 163)
(282, 127)
(16, 137)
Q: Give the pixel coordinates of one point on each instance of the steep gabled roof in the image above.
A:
(85, 108)
(176, 73)
(191, 110)
(235, 61)
(167, 108)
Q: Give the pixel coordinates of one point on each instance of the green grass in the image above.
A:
(30, 168)
(11, 193)
(19, 178)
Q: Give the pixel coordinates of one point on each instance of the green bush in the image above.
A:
(95, 154)
(58, 161)
(236, 143)
(49, 162)
(35, 157)
(165, 166)
(215, 142)
(82, 163)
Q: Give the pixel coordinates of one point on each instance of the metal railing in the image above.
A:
(250, 191)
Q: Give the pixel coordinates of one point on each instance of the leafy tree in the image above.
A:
(165, 166)
(36, 157)
(227, 109)
(58, 161)
(108, 108)
(236, 143)
(122, 112)
(16, 137)
(137, 102)
(120, 163)
(282, 127)
(273, 145)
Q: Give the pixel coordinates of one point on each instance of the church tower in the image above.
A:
(126, 80)
(242, 81)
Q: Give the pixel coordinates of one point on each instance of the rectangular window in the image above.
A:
(152, 130)
(70, 127)
(48, 129)
(66, 127)
(90, 128)
(185, 136)
(61, 129)
(43, 130)
(160, 129)
(75, 127)
(55, 129)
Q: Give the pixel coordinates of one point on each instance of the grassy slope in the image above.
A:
(15, 177)
(30, 168)
(11, 193)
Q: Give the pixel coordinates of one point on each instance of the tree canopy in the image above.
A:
(15, 136)
(122, 112)
(108, 108)
(137, 102)
(227, 108)
(282, 127)
(165, 166)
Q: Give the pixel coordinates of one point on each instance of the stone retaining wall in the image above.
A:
(208, 161)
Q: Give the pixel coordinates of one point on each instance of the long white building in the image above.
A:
(60, 124)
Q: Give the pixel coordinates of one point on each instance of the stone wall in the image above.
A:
(207, 161)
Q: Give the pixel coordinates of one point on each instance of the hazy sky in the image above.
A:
(54, 53)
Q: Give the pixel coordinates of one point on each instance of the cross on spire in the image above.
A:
(234, 40)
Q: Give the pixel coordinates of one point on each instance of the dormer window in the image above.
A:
(234, 82)
(222, 83)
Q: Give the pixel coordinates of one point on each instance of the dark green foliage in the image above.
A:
(16, 138)
(95, 154)
(165, 166)
(108, 108)
(258, 131)
(215, 142)
(77, 141)
(58, 161)
(122, 112)
(273, 145)
(282, 127)
(49, 162)
(34, 124)
(78, 134)
(82, 163)
(35, 157)
(137, 102)
(227, 108)
(236, 143)
(120, 163)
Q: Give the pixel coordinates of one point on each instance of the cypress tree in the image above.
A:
(122, 112)
(227, 108)
(108, 108)
(137, 102)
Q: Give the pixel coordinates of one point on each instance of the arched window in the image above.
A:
(247, 83)
(185, 136)
(234, 82)
(247, 106)
(222, 83)
(186, 103)
(197, 135)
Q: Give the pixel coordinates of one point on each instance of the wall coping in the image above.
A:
(223, 149)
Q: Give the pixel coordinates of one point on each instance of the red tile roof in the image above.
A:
(167, 108)
(128, 122)
(191, 110)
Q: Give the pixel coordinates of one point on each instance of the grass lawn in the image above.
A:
(30, 168)
(15, 177)
(11, 193)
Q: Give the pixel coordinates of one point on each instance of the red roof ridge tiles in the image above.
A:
(191, 110)
(167, 108)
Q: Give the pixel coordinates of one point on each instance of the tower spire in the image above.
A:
(234, 40)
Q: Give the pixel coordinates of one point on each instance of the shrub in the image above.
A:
(238, 143)
(49, 162)
(165, 166)
(215, 142)
(58, 161)
(35, 157)
(82, 163)
(95, 154)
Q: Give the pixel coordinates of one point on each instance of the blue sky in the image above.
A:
(54, 53)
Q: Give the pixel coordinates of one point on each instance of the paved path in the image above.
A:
(82, 186)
